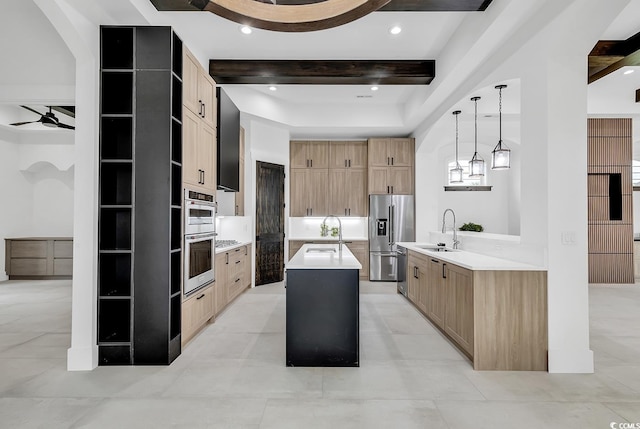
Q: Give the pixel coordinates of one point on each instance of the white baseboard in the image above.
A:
(82, 358)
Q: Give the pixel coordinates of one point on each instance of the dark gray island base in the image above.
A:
(323, 317)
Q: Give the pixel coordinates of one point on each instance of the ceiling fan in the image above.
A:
(48, 119)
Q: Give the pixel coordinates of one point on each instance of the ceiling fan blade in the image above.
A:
(23, 123)
(65, 126)
(30, 109)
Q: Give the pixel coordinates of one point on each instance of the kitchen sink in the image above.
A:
(320, 250)
(436, 248)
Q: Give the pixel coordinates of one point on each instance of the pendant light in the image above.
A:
(501, 155)
(476, 165)
(455, 174)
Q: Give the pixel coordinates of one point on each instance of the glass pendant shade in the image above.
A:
(501, 155)
(455, 174)
(476, 165)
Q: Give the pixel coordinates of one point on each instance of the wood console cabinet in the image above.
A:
(497, 318)
(34, 258)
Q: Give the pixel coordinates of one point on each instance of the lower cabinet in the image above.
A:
(360, 250)
(233, 275)
(497, 318)
(39, 258)
(197, 310)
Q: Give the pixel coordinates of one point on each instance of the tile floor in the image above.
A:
(233, 374)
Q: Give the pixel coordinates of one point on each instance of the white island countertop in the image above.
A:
(471, 260)
(323, 257)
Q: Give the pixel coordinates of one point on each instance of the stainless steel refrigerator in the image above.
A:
(391, 220)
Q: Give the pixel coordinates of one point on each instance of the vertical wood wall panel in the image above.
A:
(610, 241)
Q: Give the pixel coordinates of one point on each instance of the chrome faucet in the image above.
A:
(339, 230)
(456, 242)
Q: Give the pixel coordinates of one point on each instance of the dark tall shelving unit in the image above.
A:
(140, 208)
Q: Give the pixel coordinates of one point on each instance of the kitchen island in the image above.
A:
(322, 292)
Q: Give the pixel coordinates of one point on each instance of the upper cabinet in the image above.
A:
(199, 90)
(309, 154)
(349, 154)
(392, 152)
(391, 165)
(199, 120)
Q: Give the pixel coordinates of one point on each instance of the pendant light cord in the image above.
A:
(476, 125)
(457, 141)
(500, 112)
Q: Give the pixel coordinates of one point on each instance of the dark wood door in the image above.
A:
(269, 223)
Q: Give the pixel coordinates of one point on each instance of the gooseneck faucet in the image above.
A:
(444, 227)
(339, 230)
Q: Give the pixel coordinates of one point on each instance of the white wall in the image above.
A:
(39, 195)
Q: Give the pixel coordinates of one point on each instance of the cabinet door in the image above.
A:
(413, 279)
(378, 153)
(360, 250)
(357, 154)
(317, 187)
(207, 156)
(459, 306)
(357, 192)
(318, 154)
(190, 73)
(299, 200)
(207, 96)
(196, 311)
(435, 298)
(338, 155)
(248, 277)
(241, 185)
(401, 152)
(221, 298)
(191, 173)
(339, 192)
(378, 180)
(298, 154)
(401, 180)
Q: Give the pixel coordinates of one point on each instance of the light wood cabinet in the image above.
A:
(309, 154)
(198, 90)
(497, 318)
(458, 318)
(241, 191)
(308, 192)
(233, 275)
(391, 180)
(391, 163)
(197, 310)
(38, 258)
(347, 192)
(198, 153)
(348, 154)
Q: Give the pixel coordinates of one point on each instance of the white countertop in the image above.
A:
(312, 260)
(233, 246)
(471, 260)
(329, 238)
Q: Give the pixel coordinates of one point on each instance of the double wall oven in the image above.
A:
(199, 240)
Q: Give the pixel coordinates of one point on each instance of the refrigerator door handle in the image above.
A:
(392, 211)
(390, 224)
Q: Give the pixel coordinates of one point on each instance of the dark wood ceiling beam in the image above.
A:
(393, 6)
(608, 56)
(325, 72)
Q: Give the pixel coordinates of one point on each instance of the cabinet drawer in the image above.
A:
(28, 249)
(63, 249)
(62, 267)
(196, 311)
(28, 267)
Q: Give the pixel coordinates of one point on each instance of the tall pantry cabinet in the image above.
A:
(140, 201)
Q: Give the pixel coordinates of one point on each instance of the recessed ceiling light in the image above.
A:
(396, 29)
(273, 88)
(246, 29)
(629, 71)
(374, 88)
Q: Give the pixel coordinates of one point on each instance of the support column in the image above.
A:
(82, 37)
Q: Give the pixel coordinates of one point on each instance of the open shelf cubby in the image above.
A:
(117, 48)
(176, 142)
(114, 355)
(115, 228)
(115, 274)
(117, 93)
(176, 307)
(116, 184)
(116, 138)
(176, 65)
(176, 274)
(114, 320)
